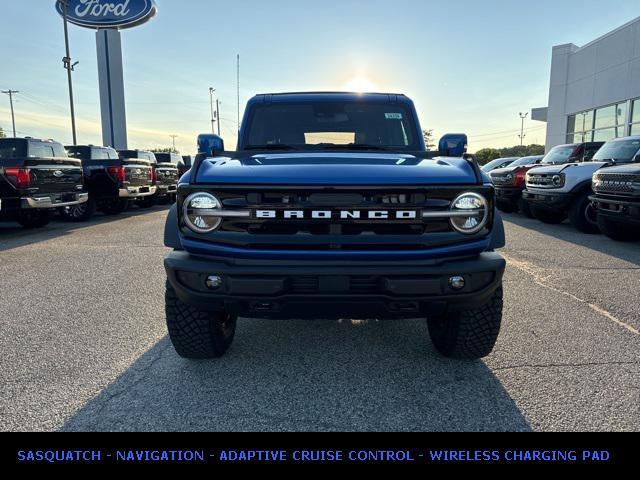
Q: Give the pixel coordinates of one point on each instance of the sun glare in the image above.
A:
(360, 84)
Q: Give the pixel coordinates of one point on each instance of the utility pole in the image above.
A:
(13, 117)
(522, 135)
(173, 137)
(218, 114)
(213, 115)
(69, 67)
(238, 83)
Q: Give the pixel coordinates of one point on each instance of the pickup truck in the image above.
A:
(36, 178)
(146, 159)
(331, 207)
(562, 189)
(509, 184)
(167, 176)
(617, 190)
(112, 182)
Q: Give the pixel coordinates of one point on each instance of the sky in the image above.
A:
(469, 65)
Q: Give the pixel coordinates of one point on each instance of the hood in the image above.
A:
(632, 168)
(582, 166)
(506, 170)
(323, 168)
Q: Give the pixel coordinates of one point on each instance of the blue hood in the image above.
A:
(336, 169)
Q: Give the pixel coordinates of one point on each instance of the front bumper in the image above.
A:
(166, 189)
(275, 289)
(559, 201)
(508, 195)
(625, 211)
(137, 192)
(53, 201)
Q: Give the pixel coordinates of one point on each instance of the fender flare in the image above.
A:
(497, 232)
(171, 230)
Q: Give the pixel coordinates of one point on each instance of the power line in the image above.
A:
(13, 117)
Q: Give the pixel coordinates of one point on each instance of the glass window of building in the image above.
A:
(604, 134)
(606, 117)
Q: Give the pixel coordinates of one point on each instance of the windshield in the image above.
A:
(558, 155)
(524, 161)
(497, 162)
(326, 125)
(619, 151)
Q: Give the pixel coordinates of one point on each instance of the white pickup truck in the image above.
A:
(556, 192)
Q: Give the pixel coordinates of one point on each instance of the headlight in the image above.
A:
(558, 180)
(469, 213)
(197, 209)
(509, 177)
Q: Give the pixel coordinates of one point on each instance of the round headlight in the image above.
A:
(199, 214)
(469, 213)
(509, 176)
(557, 180)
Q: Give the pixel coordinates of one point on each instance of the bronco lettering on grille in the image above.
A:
(339, 214)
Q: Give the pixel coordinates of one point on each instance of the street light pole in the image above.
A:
(13, 117)
(213, 120)
(218, 114)
(522, 135)
(69, 67)
(174, 141)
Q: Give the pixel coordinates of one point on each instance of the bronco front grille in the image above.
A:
(403, 228)
(616, 183)
(502, 179)
(543, 180)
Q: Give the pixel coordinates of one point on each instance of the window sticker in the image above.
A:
(393, 116)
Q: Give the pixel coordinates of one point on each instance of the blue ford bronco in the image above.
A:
(331, 207)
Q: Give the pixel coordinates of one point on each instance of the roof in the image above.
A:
(330, 96)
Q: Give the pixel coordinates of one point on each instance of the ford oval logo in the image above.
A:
(58, 173)
(108, 13)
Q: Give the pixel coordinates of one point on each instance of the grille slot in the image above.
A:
(616, 183)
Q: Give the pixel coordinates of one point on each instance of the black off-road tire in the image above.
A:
(583, 216)
(506, 207)
(525, 208)
(35, 218)
(468, 334)
(148, 202)
(618, 231)
(194, 333)
(116, 207)
(79, 213)
(548, 216)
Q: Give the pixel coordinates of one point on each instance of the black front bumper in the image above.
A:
(549, 200)
(508, 195)
(620, 210)
(388, 290)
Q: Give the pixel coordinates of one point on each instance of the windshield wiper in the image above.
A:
(271, 146)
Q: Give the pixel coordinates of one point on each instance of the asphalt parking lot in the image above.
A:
(84, 345)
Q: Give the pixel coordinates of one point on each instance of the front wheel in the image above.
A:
(548, 216)
(468, 334)
(35, 218)
(524, 208)
(116, 207)
(79, 213)
(195, 333)
(618, 231)
(583, 216)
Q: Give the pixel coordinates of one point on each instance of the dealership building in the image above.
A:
(594, 90)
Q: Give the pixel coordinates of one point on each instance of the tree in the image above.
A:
(165, 150)
(429, 140)
(485, 155)
(2, 135)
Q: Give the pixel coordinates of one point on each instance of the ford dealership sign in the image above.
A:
(108, 13)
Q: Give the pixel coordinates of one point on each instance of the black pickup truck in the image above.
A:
(167, 176)
(147, 158)
(36, 177)
(112, 181)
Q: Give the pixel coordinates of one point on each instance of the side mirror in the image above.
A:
(636, 159)
(453, 145)
(210, 144)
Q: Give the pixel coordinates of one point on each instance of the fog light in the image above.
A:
(457, 282)
(214, 282)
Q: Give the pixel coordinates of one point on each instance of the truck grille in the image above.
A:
(616, 183)
(542, 180)
(503, 179)
(402, 228)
